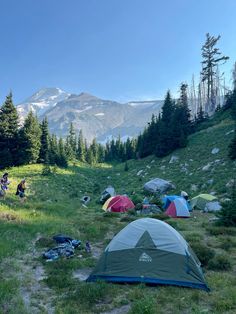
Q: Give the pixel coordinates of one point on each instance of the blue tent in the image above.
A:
(170, 198)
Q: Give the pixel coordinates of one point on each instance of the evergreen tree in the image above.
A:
(211, 58)
(81, 147)
(8, 134)
(94, 151)
(71, 143)
(165, 141)
(232, 147)
(53, 149)
(30, 139)
(44, 149)
(101, 153)
(61, 157)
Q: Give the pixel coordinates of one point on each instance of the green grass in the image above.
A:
(53, 206)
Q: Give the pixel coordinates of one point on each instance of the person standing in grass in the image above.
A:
(21, 190)
(4, 185)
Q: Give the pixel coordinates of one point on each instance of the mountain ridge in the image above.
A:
(98, 118)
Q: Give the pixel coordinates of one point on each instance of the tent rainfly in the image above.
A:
(200, 201)
(151, 251)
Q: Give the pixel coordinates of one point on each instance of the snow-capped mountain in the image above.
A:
(41, 101)
(98, 118)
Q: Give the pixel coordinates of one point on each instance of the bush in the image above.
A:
(136, 199)
(220, 262)
(138, 206)
(46, 171)
(126, 168)
(227, 215)
(203, 252)
(157, 201)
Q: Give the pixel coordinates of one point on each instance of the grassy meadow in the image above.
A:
(29, 284)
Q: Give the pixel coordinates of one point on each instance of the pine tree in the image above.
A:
(165, 141)
(53, 149)
(8, 134)
(81, 147)
(211, 59)
(44, 149)
(61, 160)
(232, 147)
(30, 139)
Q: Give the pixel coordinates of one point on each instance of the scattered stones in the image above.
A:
(173, 159)
(148, 167)
(139, 172)
(232, 131)
(194, 187)
(152, 161)
(191, 160)
(215, 150)
(207, 167)
(118, 174)
(217, 161)
(162, 167)
(210, 181)
(230, 183)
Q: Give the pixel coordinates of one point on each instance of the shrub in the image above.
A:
(220, 262)
(126, 168)
(111, 214)
(227, 215)
(46, 171)
(136, 199)
(157, 201)
(203, 252)
(138, 206)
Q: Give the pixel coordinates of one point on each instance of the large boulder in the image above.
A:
(158, 185)
(212, 207)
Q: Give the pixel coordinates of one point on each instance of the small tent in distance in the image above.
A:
(178, 208)
(200, 201)
(119, 203)
(151, 251)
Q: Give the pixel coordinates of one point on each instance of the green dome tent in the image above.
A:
(200, 201)
(150, 251)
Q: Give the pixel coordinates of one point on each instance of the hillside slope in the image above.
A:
(31, 285)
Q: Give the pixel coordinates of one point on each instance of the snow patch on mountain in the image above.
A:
(100, 114)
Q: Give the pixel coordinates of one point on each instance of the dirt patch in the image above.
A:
(97, 249)
(36, 295)
(82, 274)
(121, 310)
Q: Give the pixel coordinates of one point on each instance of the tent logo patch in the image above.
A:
(145, 258)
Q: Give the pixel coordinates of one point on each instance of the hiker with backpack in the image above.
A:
(4, 185)
(21, 190)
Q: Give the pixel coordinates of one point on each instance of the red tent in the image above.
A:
(119, 203)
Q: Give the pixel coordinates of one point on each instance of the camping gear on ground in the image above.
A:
(87, 247)
(150, 251)
(158, 185)
(150, 209)
(184, 195)
(178, 208)
(118, 203)
(212, 207)
(65, 249)
(107, 193)
(200, 201)
(85, 199)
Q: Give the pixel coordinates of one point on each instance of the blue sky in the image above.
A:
(115, 49)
